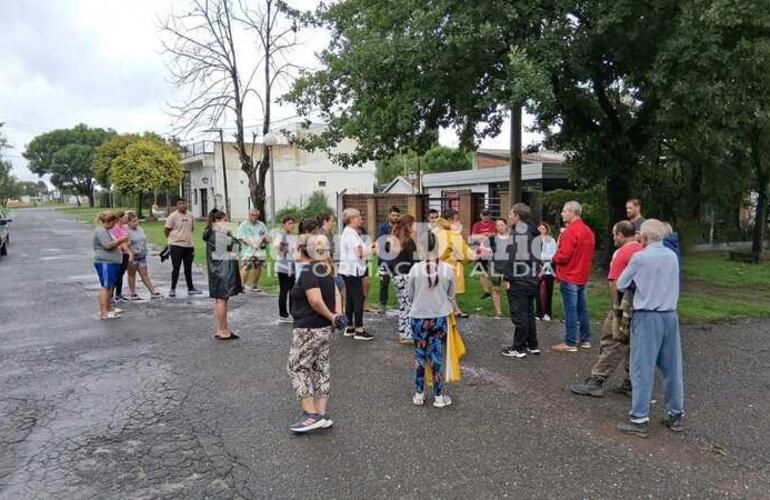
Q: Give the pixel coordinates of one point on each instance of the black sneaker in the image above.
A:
(486, 296)
(591, 387)
(363, 335)
(673, 422)
(623, 388)
(307, 422)
(513, 353)
(639, 430)
(172, 293)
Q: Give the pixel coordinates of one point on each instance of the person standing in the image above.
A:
(284, 266)
(545, 283)
(655, 339)
(118, 231)
(430, 288)
(403, 237)
(326, 228)
(573, 266)
(253, 234)
(613, 352)
(178, 230)
(453, 250)
(138, 263)
(107, 261)
(316, 307)
(521, 276)
(383, 263)
(634, 213)
(482, 236)
(433, 216)
(222, 266)
(353, 253)
(498, 265)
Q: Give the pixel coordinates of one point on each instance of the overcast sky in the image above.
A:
(98, 62)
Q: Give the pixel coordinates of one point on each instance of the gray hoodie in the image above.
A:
(430, 301)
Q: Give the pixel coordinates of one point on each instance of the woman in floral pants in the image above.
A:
(403, 237)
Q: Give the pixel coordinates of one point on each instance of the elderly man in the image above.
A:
(573, 266)
(253, 233)
(654, 272)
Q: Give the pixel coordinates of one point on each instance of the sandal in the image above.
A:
(232, 336)
(111, 315)
(117, 310)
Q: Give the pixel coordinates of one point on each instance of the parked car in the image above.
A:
(5, 233)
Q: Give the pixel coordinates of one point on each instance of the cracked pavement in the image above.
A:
(150, 406)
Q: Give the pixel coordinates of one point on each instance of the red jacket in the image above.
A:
(575, 254)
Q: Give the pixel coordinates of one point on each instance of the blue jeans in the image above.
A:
(575, 311)
(655, 342)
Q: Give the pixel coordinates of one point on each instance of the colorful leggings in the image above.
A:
(429, 336)
(309, 362)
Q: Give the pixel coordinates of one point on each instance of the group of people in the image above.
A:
(323, 286)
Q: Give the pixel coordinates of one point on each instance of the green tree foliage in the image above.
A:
(9, 187)
(67, 155)
(316, 205)
(146, 165)
(113, 148)
(436, 159)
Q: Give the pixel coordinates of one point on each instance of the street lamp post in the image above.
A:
(224, 168)
(269, 141)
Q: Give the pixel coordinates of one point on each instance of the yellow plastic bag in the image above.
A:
(455, 350)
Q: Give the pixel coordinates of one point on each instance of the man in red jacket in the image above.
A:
(573, 265)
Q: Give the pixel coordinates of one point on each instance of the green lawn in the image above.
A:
(715, 288)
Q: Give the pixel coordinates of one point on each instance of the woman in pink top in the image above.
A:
(118, 231)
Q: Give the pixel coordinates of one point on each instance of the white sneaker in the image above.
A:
(442, 401)
(546, 317)
(418, 398)
(287, 319)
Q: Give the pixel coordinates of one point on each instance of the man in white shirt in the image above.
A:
(352, 267)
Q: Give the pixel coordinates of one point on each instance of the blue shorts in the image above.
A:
(107, 272)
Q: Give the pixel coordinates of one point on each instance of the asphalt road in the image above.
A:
(150, 406)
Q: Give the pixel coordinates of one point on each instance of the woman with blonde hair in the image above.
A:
(316, 308)
(453, 250)
(352, 268)
(107, 261)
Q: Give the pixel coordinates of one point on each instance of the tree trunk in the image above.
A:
(139, 205)
(91, 198)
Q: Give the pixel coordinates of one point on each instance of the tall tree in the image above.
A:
(9, 187)
(208, 61)
(436, 159)
(146, 165)
(67, 155)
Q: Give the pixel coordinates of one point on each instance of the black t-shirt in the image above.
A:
(403, 262)
(315, 276)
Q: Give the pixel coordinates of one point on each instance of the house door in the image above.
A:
(204, 203)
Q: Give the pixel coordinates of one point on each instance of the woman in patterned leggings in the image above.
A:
(315, 307)
(431, 289)
(403, 237)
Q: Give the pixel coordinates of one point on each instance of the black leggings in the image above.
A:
(285, 284)
(354, 300)
(181, 255)
(544, 295)
(118, 290)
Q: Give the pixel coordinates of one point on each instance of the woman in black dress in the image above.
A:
(222, 263)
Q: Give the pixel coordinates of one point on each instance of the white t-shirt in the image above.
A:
(350, 264)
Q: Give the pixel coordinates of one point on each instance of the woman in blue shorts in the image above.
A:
(107, 261)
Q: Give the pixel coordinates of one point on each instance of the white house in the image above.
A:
(298, 174)
(399, 185)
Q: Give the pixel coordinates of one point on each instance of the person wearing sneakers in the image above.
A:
(138, 263)
(655, 339)
(284, 265)
(352, 268)
(545, 283)
(613, 352)
(107, 261)
(573, 266)
(521, 276)
(178, 230)
(253, 235)
(316, 307)
(431, 290)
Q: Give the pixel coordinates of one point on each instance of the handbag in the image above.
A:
(165, 253)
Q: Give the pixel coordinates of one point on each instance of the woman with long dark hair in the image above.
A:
(545, 283)
(222, 265)
(402, 241)
(431, 289)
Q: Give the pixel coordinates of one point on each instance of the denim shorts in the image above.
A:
(107, 272)
(137, 262)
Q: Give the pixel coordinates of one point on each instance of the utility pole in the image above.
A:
(514, 181)
(224, 168)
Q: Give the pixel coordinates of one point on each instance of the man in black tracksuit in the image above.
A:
(521, 276)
